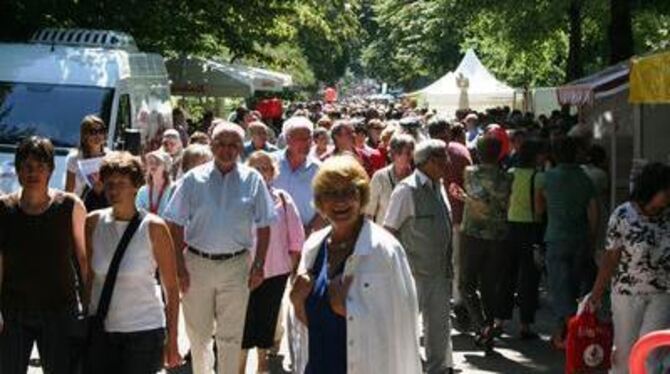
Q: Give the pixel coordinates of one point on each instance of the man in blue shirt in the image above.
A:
(212, 215)
(259, 139)
(297, 170)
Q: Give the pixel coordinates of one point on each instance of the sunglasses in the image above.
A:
(98, 131)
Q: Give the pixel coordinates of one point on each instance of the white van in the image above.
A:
(50, 83)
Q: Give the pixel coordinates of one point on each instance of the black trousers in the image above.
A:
(138, 352)
(262, 313)
(519, 273)
(480, 274)
(22, 329)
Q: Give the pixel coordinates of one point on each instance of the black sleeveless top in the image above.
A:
(38, 272)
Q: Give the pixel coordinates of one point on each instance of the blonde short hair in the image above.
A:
(337, 171)
(257, 156)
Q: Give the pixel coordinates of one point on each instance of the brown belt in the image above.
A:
(217, 256)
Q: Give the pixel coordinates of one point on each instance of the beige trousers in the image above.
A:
(216, 301)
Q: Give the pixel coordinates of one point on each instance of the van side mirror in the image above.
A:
(132, 141)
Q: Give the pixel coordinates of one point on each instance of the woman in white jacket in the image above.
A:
(354, 291)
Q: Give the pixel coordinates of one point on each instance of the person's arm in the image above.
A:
(400, 208)
(608, 265)
(177, 234)
(79, 235)
(177, 214)
(256, 273)
(89, 228)
(70, 181)
(163, 250)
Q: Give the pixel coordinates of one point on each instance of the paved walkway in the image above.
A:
(513, 356)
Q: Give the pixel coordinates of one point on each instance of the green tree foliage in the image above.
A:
(312, 39)
(529, 43)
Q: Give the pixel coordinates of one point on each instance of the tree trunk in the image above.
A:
(620, 31)
(575, 66)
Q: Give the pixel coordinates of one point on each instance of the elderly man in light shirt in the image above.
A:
(419, 215)
(297, 169)
(212, 215)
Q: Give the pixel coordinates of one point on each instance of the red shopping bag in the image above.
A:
(589, 344)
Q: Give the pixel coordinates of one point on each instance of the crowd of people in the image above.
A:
(345, 229)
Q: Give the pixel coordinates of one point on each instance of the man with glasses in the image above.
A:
(211, 216)
(419, 215)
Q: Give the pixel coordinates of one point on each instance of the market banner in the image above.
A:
(650, 79)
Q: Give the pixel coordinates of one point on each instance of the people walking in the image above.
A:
(418, 214)
(126, 248)
(155, 194)
(484, 230)
(212, 215)
(42, 264)
(637, 262)
(287, 237)
(384, 180)
(354, 290)
(569, 199)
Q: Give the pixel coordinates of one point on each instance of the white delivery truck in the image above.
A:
(50, 83)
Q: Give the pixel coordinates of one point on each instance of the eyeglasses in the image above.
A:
(340, 194)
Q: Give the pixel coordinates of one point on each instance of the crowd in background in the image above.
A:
(338, 227)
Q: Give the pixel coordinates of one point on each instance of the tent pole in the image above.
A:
(613, 166)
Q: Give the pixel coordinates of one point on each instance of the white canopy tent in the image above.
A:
(471, 85)
(195, 76)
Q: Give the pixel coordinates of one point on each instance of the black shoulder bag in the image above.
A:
(97, 322)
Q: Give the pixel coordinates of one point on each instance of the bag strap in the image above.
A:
(283, 200)
(110, 280)
(390, 175)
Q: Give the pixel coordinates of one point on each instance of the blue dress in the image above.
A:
(327, 330)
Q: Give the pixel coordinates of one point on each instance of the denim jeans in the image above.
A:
(571, 272)
(22, 329)
(138, 352)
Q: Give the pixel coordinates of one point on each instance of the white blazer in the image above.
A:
(382, 307)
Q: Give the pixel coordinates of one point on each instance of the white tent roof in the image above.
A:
(483, 89)
(195, 76)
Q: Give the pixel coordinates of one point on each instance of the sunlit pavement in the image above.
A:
(511, 354)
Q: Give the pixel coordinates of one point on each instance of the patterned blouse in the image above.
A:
(644, 242)
(485, 213)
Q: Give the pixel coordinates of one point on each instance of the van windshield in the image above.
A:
(53, 111)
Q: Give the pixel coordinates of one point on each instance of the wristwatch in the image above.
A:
(257, 265)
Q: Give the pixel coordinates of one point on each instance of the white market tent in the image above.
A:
(471, 85)
(195, 76)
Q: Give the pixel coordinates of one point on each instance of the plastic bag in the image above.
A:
(589, 342)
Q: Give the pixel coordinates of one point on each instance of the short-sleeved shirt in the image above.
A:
(298, 184)
(644, 267)
(485, 214)
(249, 148)
(521, 206)
(219, 211)
(381, 186)
(142, 200)
(72, 165)
(287, 236)
(568, 191)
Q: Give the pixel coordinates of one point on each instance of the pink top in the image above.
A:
(286, 235)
